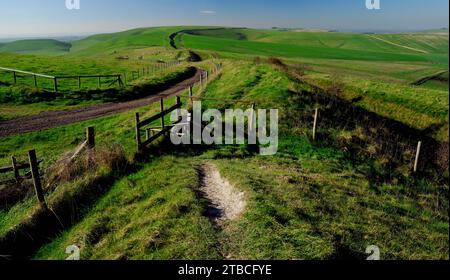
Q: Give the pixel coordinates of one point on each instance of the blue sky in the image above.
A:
(50, 17)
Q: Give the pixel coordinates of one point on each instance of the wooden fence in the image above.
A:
(153, 133)
(56, 79)
(120, 79)
(33, 166)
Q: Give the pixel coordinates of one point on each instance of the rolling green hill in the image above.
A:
(321, 45)
(36, 46)
(324, 199)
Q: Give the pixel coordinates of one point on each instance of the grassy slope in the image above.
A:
(307, 202)
(152, 214)
(377, 70)
(36, 46)
(53, 143)
(418, 107)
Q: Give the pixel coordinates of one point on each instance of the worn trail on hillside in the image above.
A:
(226, 203)
(53, 119)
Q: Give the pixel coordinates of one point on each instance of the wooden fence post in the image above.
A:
(36, 178)
(14, 77)
(15, 170)
(55, 84)
(138, 133)
(252, 119)
(316, 114)
(90, 137)
(162, 110)
(35, 81)
(179, 109)
(416, 161)
(79, 82)
(99, 83)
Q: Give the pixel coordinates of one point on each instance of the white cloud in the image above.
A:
(208, 12)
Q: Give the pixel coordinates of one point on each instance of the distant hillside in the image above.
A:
(437, 31)
(36, 46)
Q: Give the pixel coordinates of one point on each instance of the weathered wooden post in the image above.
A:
(55, 84)
(191, 98)
(36, 178)
(416, 161)
(316, 114)
(15, 170)
(179, 107)
(162, 110)
(14, 77)
(99, 82)
(90, 137)
(138, 133)
(35, 81)
(252, 119)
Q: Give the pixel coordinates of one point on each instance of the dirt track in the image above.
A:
(48, 120)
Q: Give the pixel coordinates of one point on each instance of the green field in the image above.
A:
(324, 199)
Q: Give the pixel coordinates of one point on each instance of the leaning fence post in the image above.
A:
(138, 133)
(36, 178)
(416, 161)
(15, 170)
(14, 77)
(90, 137)
(316, 114)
